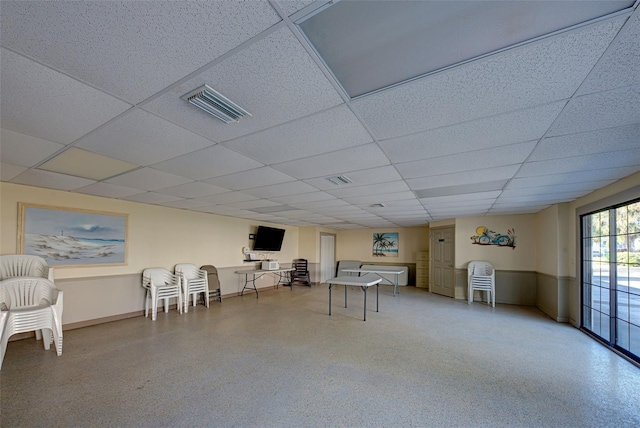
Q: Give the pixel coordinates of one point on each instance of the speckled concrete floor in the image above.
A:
(280, 361)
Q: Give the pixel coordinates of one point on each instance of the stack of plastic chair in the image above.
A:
(160, 284)
(194, 282)
(481, 276)
(15, 265)
(30, 304)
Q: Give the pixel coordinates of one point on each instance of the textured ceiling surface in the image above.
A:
(91, 103)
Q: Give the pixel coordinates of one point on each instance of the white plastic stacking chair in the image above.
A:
(481, 276)
(15, 265)
(194, 282)
(160, 284)
(30, 304)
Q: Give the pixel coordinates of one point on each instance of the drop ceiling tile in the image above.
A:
(480, 159)
(282, 189)
(617, 159)
(257, 203)
(151, 198)
(495, 131)
(427, 202)
(81, 163)
(482, 186)
(194, 189)
(143, 138)
(112, 44)
(361, 157)
(289, 7)
(539, 199)
(43, 103)
(359, 178)
(214, 209)
(609, 109)
(186, 204)
(324, 132)
(227, 198)
(207, 163)
(464, 177)
(51, 180)
(372, 189)
(274, 79)
(537, 73)
(459, 212)
(587, 186)
(484, 202)
(304, 197)
(603, 174)
(382, 198)
(107, 190)
(328, 205)
(148, 179)
(605, 140)
(9, 171)
(25, 150)
(517, 210)
(620, 65)
(258, 177)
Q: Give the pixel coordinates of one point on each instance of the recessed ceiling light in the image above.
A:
(216, 104)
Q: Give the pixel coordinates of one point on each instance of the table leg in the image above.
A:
(345, 296)
(377, 293)
(395, 286)
(365, 302)
(330, 286)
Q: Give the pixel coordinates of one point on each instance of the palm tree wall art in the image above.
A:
(385, 244)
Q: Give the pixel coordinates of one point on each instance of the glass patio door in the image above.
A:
(611, 276)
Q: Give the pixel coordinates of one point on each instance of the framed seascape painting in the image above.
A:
(385, 244)
(72, 237)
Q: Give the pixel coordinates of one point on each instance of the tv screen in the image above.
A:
(268, 239)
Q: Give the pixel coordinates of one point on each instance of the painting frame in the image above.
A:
(101, 236)
(385, 244)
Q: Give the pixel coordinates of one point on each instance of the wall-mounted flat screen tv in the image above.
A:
(268, 239)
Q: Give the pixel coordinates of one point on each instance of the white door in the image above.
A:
(327, 256)
(442, 261)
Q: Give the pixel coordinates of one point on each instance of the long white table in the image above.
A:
(358, 281)
(283, 274)
(378, 272)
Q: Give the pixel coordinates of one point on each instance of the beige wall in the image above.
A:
(157, 237)
(522, 257)
(547, 237)
(357, 244)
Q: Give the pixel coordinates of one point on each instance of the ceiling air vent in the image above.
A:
(377, 205)
(216, 104)
(339, 180)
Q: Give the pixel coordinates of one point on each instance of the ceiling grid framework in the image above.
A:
(511, 131)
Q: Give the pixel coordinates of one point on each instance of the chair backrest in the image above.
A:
(15, 265)
(479, 268)
(188, 270)
(347, 264)
(27, 291)
(212, 276)
(157, 277)
(301, 266)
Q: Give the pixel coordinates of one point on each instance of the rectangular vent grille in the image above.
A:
(339, 180)
(216, 104)
(377, 205)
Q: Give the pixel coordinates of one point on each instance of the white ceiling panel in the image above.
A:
(130, 38)
(586, 186)
(143, 138)
(8, 171)
(359, 178)
(183, 203)
(227, 198)
(194, 189)
(464, 177)
(480, 159)
(538, 199)
(25, 150)
(372, 189)
(381, 198)
(258, 177)
(289, 7)
(605, 140)
(148, 179)
(274, 79)
(43, 103)
(620, 65)
(282, 189)
(609, 109)
(534, 74)
(257, 203)
(580, 163)
(107, 190)
(427, 202)
(361, 157)
(324, 132)
(151, 198)
(319, 206)
(517, 210)
(304, 197)
(495, 131)
(207, 163)
(51, 180)
(468, 203)
(604, 174)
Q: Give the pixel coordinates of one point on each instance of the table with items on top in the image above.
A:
(284, 277)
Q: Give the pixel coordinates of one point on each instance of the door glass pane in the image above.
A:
(634, 339)
(622, 334)
(623, 305)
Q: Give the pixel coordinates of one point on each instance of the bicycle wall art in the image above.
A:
(489, 237)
